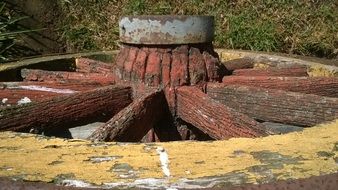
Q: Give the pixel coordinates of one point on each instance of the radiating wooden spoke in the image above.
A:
(323, 86)
(216, 120)
(61, 76)
(12, 92)
(134, 121)
(276, 105)
(66, 110)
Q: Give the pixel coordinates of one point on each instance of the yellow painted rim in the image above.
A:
(312, 152)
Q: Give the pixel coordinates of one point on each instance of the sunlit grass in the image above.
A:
(289, 26)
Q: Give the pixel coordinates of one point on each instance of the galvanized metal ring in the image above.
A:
(166, 29)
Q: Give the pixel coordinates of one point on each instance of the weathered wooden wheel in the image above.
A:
(170, 85)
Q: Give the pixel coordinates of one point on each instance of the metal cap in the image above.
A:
(166, 29)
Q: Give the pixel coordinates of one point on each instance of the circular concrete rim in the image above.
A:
(315, 67)
(166, 29)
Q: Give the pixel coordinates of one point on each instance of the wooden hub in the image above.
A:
(169, 65)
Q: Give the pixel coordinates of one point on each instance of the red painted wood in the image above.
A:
(129, 63)
(179, 67)
(153, 69)
(197, 68)
(240, 63)
(66, 110)
(213, 118)
(60, 76)
(276, 105)
(323, 86)
(139, 68)
(85, 65)
(133, 122)
(38, 91)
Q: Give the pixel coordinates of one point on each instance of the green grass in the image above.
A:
(258, 36)
(289, 26)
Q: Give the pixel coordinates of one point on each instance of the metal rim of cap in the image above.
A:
(166, 29)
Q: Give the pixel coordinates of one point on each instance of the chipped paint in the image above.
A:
(166, 29)
(235, 161)
(164, 160)
(98, 159)
(264, 60)
(44, 89)
(225, 55)
(4, 100)
(317, 70)
(75, 183)
(261, 66)
(24, 100)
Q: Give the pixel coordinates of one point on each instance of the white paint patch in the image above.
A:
(44, 89)
(103, 159)
(164, 159)
(24, 100)
(4, 100)
(75, 183)
(149, 183)
(152, 183)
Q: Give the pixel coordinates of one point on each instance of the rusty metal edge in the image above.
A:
(166, 29)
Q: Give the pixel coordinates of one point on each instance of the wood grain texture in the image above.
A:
(66, 110)
(12, 92)
(323, 86)
(296, 71)
(213, 118)
(134, 121)
(276, 105)
(240, 63)
(60, 76)
(86, 65)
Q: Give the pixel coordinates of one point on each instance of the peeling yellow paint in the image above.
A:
(227, 55)
(315, 69)
(33, 157)
(318, 70)
(219, 156)
(36, 158)
(261, 65)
